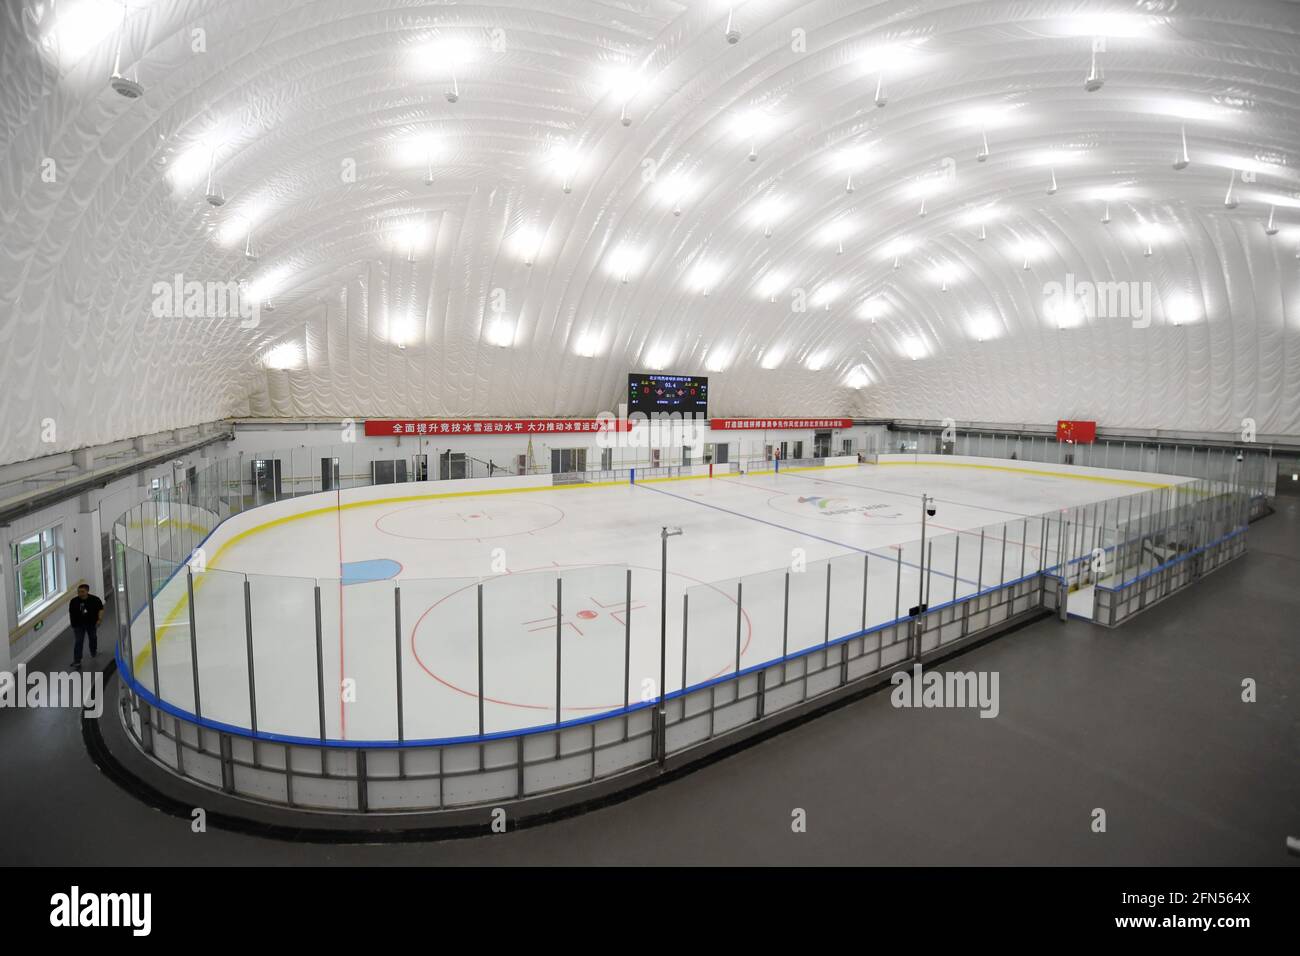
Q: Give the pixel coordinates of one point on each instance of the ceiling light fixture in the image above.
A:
(213, 192)
(1269, 228)
(731, 33)
(1229, 200)
(1183, 159)
(624, 83)
(1095, 78)
(748, 126)
(124, 85)
(527, 241)
(770, 285)
(566, 161)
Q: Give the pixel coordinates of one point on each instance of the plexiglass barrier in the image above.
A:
(562, 676)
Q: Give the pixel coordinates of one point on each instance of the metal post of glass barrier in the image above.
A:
(125, 601)
(480, 660)
(1002, 571)
(898, 581)
(320, 672)
(559, 615)
(1063, 571)
(926, 500)
(194, 641)
(397, 668)
(1145, 519)
(785, 627)
(627, 643)
(252, 674)
(1024, 544)
(1132, 534)
(866, 560)
(979, 576)
(826, 629)
(665, 533)
(153, 630)
(169, 496)
(739, 596)
(1128, 536)
(1042, 542)
(956, 559)
(929, 570)
(1062, 544)
(686, 607)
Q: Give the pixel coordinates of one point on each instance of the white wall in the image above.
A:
(300, 446)
(82, 556)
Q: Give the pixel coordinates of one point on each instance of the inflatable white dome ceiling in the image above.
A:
(998, 211)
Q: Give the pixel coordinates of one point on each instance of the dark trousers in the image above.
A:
(79, 634)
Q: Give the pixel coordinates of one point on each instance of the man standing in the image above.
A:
(86, 612)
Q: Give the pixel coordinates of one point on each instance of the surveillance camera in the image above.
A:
(1240, 457)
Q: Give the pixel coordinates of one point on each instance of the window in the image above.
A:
(38, 569)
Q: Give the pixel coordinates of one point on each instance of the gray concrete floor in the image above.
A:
(1145, 722)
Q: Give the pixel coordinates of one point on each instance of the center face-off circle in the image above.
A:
(467, 520)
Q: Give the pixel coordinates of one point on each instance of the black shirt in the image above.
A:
(85, 611)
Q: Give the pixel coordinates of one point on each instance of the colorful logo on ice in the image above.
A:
(843, 506)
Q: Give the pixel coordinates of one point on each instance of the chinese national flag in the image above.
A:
(1076, 431)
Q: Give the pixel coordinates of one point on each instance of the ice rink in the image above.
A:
(556, 610)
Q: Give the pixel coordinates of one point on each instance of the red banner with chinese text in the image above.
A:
(764, 424)
(494, 426)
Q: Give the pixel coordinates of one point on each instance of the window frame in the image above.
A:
(48, 558)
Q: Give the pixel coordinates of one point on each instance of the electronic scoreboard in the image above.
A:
(651, 393)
